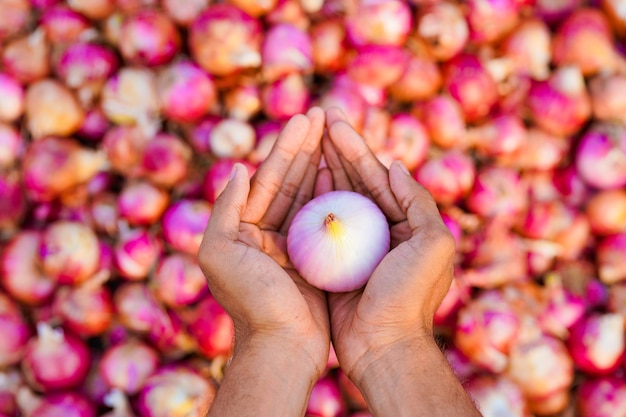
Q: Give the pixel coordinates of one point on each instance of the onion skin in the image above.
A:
(318, 233)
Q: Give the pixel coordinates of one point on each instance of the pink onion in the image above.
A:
(562, 308)
(293, 12)
(491, 20)
(596, 343)
(170, 335)
(443, 29)
(285, 97)
(379, 22)
(184, 223)
(173, 390)
(184, 13)
(52, 109)
(318, 235)
(128, 365)
(186, 92)
(141, 203)
(540, 152)
(232, 138)
(570, 185)
(243, 101)
(612, 10)
(94, 126)
(104, 213)
(328, 45)
(497, 395)
(378, 65)
(136, 307)
(12, 202)
(585, 29)
(21, 274)
(444, 120)
(12, 105)
(235, 46)
(606, 212)
(601, 156)
(26, 58)
(93, 9)
(198, 135)
(407, 141)
(15, 331)
(178, 280)
(528, 47)
(212, 328)
(501, 135)
(468, 81)
(14, 17)
(375, 131)
(448, 177)
(136, 253)
(350, 101)
(63, 25)
(286, 49)
(165, 160)
(124, 147)
(10, 382)
(129, 7)
(498, 192)
(610, 258)
(421, 80)
(55, 360)
(67, 404)
(458, 294)
(119, 403)
(601, 397)
(608, 96)
(149, 37)
(554, 11)
(325, 399)
(70, 252)
(560, 104)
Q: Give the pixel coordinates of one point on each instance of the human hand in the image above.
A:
(394, 312)
(243, 253)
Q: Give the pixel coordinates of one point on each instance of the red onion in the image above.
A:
(178, 280)
(378, 65)
(93, 9)
(149, 37)
(63, 25)
(165, 160)
(186, 92)
(448, 177)
(610, 258)
(542, 368)
(318, 239)
(170, 336)
(128, 365)
(285, 97)
(286, 49)
(379, 22)
(52, 109)
(374, 95)
(601, 156)
(553, 11)
(86, 310)
(489, 21)
(184, 13)
(243, 101)
(141, 203)
(12, 202)
(420, 81)
(119, 403)
(175, 390)
(375, 130)
(293, 12)
(328, 45)
(596, 343)
(136, 253)
(124, 147)
(601, 397)
(407, 141)
(26, 58)
(66, 404)
(224, 40)
(12, 105)
(217, 176)
(94, 126)
(444, 120)
(606, 212)
(608, 96)
(501, 135)
(184, 223)
(129, 7)
(55, 360)
(21, 275)
(70, 252)
(570, 185)
(540, 151)
(15, 331)
(560, 104)
(232, 138)
(486, 329)
(497, 395)
(468, 81)
(136, 307)
(130, 98)
(212, 328)
(443, 29)
(349, 101)
(14, 17)
(105, 214)
(497, 192)
(584, 30)
(10, 382)
(562, 308)
(199, 134)
(325, 399)
(528, 47)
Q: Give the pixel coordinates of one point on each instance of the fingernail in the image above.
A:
(233, 172)
(402, 167)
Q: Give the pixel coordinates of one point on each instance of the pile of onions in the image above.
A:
(120, 122)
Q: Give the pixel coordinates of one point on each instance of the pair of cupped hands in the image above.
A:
(244, 256)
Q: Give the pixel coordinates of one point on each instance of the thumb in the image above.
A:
(229, 206)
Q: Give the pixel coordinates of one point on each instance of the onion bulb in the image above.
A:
(337, 239)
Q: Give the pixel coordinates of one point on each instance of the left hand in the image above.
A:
(244, 257)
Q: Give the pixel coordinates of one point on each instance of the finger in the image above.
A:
(340, 178)
(323, 182)
(298, 183)
(226, 212)
(367, 168)
(269, 177)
